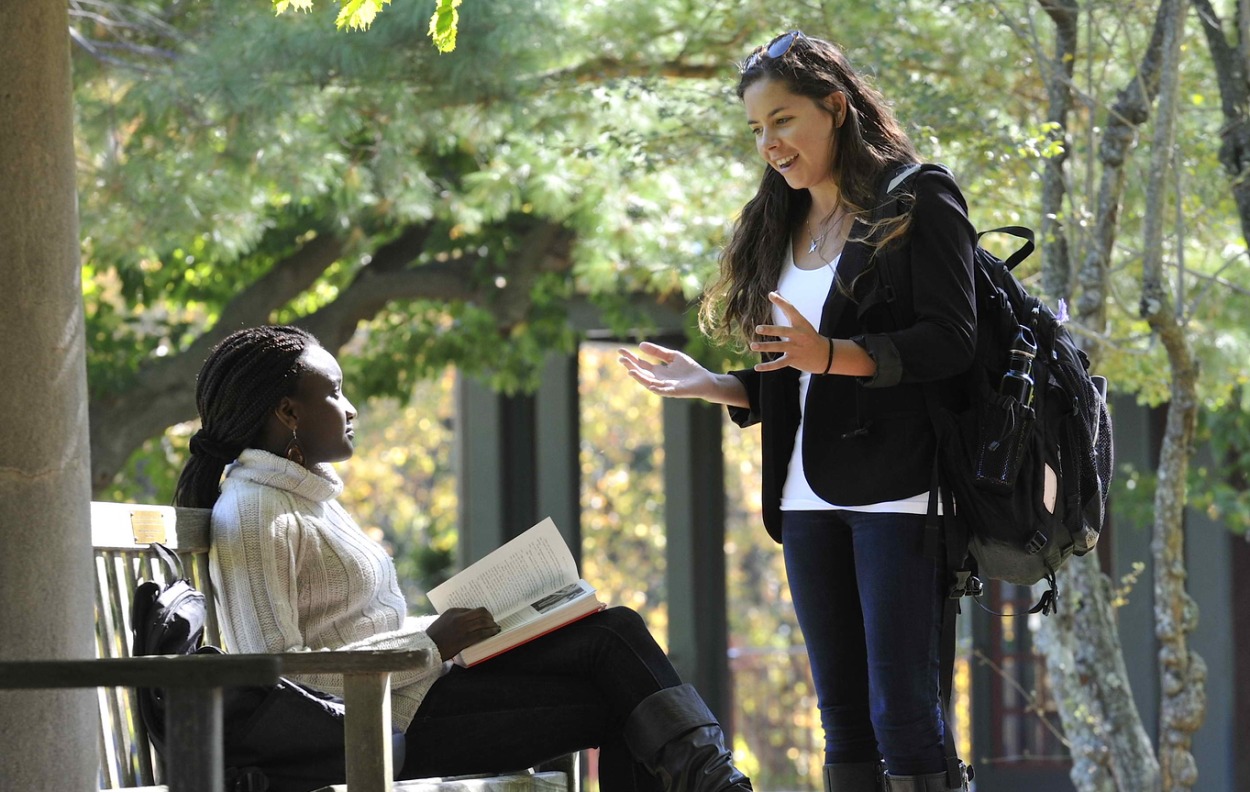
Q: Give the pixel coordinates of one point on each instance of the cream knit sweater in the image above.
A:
(293, 572)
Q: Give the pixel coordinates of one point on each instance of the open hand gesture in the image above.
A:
(676, 374)
(799, 345)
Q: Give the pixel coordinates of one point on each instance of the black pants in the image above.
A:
(568, 690)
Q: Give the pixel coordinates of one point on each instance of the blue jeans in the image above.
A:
(869, 602)
(568, 690)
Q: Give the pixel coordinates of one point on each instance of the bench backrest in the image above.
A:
(121, 534)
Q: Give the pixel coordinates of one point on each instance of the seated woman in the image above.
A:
(294, 572)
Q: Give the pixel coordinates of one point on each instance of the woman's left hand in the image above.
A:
(799, 345)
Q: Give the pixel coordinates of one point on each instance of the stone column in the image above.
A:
(47, 738)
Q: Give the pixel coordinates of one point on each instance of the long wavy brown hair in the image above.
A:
(869, 142)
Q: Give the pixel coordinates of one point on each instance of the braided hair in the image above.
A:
(240, 384)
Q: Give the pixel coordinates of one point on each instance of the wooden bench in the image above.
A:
(121, 535)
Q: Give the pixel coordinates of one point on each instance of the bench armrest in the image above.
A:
(195, 682)
(180, 671)
(193, 686)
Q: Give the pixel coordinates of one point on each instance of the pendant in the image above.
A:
(812, 247)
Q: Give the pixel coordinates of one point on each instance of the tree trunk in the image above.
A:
(1107, 739)
(47, 738)
(1056, 253)
(1182, 672)
(1230, 64)
(1111, 751)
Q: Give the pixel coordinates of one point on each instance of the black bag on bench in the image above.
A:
(285, 737)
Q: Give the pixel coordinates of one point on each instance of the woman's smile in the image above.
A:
(793, 133)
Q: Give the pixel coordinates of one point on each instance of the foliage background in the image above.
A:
(216, 144)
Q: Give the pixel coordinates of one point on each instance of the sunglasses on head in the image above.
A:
(776, 48)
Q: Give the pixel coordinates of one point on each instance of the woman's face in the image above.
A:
(793, 133)
(322, 414)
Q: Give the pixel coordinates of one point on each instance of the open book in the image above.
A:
(531, 586)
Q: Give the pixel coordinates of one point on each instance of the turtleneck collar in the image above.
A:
(320, 483)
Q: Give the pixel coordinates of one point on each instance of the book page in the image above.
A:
(550, 613)
(546, 605)
(526, 569)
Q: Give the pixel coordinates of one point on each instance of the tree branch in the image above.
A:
(123, 22)
(162, 394)
(1131, 109)
(545, 248)
(611, 68)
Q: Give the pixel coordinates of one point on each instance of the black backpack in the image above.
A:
(1029, 460)
(1024, 465)
(285, 737)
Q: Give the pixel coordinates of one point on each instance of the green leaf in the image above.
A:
(354, 15)
(282, 6)
(358, 14)
(443, 25)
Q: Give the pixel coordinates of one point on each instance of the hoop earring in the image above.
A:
(293, 450)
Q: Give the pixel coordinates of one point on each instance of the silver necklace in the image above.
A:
(817, 241)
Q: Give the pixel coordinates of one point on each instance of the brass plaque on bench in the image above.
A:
(149, 526)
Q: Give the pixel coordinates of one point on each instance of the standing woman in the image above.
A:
(849, 353)
(293, 572)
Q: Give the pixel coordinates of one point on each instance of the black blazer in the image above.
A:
(870, 440)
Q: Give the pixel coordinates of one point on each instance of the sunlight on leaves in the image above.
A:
(444, 23)
(359, 15)
(282, 6)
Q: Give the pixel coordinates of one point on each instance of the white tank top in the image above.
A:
(806, 290)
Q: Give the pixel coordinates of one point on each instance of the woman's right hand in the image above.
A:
(458, 628)
(676, 375)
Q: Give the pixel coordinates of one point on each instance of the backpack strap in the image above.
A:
(1047, 604)
(946, 538)
(902, 175)
(1021, 233)
(887, 201)
(171, 561)
(957, 773)
(944, 534)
